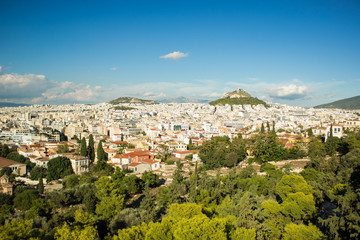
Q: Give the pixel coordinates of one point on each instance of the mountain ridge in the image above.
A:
(10, 104)
(131, 100)
(182, 100)
(346, 103)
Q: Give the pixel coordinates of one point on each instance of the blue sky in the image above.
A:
(300, 53)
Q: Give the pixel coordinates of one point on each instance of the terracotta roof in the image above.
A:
(184, 152)
(132, 154)
(134, 164)
(148, 161)
(118, 142)
(4, 162)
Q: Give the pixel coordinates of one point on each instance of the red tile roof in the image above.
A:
(4, 162)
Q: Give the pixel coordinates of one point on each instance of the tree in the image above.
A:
(41, 185)
(63, 148)
(18, 229)
(38, 172)
(163, 152)
(332, 145)
(148, 206)
(24, 200)
(5, 150)
(177, 175)
(273, 129)
(310, 132)
(16, 157)
(5, 171)
(292, 184)
(201, 227)
(71, 180)
(293, 231)
(262, 129)
(268, 126)
(83, 228)
(39, 208)
(83, 150)
(111, 200)
(193, 184)
(58, 167)
(91, 149)
(243, 233)
(150, 178)
(126, 218)
(100, 152)
(316, 149)
(231, 160)
(267, 148)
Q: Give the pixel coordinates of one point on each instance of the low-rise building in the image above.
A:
(16, 167)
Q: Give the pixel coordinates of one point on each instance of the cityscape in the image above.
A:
(180, 120)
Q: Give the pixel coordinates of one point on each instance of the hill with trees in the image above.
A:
(238, 97)
(347, 103)
(121, 100)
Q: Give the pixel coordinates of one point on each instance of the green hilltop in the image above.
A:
(238, 97)
(121, 100)
(347, 103)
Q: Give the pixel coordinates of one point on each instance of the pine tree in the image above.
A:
(83, 151)
(273, 129)
(100, 152)
(262, 130)
(193, 186)
(91, 149)
(148, 205)
(41, 185)
(268, 126)
(177, 176)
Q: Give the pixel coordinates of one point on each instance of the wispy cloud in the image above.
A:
(211, 95)
(38, 88)
(113, 69)
(276, 91)
(175, 55)
(289, 92)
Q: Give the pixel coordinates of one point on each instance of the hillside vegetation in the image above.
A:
(347, 103)
(238, 101)
(131, 100)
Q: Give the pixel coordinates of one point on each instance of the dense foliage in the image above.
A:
(347, 103)
(58, 167)
(320, 202)
(238, 101)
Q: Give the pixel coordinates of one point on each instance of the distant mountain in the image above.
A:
(347, 103)
(183, 100)
(238, 97)
(131, 100)
(9, 104)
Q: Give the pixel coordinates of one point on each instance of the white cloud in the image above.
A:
(39, 89)
(289, 92)
(113, 69)
(175, 55)
(23, 86)
(212, 95)
(153, 95)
